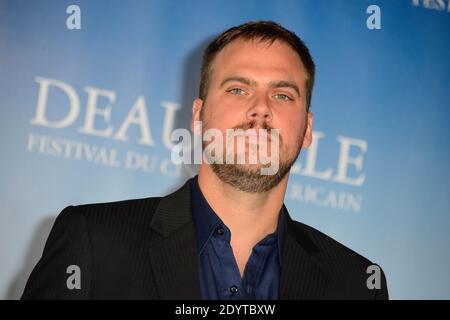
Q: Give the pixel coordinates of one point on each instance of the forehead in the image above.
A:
(255, 58)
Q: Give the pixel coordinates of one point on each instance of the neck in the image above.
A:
(249, 216)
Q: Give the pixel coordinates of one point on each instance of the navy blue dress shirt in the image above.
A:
(218, 271)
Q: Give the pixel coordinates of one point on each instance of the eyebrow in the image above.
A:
(272, 84)
(243, 80)
(285, 84)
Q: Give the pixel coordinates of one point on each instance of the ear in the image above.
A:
(196, 108)
(307, 139)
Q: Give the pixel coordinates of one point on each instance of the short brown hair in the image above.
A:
(264, 31)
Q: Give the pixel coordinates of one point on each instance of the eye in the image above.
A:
(284, 97)
(236, 91)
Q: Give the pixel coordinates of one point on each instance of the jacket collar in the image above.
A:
(303, 275)
(173, 254)
(173, 251)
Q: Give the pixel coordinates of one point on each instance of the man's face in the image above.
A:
(256, 84)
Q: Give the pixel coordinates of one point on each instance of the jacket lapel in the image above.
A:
(302, 274)
(173, 252)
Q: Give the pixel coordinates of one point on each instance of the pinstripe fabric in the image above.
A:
(146, 249)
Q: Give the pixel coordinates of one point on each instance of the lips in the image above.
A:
(254, 136)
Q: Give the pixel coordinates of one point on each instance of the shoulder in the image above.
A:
(96, 238)
(119, 216)
(349, 272)
(122, 210)
(331, 248)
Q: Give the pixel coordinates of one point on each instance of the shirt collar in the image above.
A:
(206, 220)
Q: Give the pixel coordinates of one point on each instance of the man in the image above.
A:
(225, 234)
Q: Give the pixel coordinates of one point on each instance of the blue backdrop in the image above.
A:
(86, 115)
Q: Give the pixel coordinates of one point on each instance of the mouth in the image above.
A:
(255, 136)
(251, 135)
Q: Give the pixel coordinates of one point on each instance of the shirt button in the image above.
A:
(220, 231)
(233, 289)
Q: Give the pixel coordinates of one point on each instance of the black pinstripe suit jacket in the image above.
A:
(146, 249)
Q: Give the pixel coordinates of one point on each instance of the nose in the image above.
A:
(260, 111)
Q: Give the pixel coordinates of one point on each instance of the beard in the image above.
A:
(248, 178)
